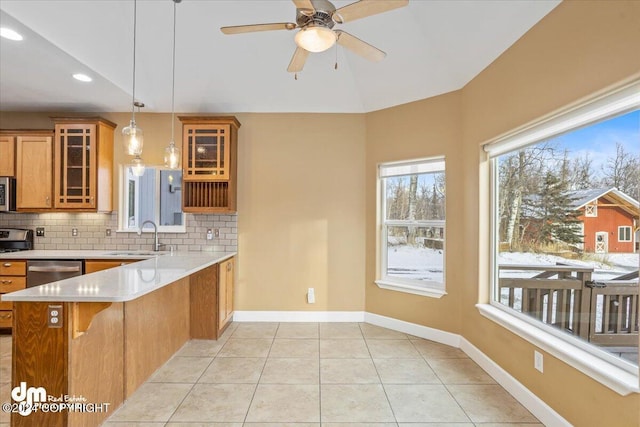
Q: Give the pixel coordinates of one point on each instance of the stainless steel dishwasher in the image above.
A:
(41, 272)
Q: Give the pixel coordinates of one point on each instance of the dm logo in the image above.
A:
(27, 397)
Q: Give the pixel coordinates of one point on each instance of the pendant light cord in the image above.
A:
(133, 101)
(173, 75)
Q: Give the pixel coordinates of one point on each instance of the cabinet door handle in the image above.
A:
(6, 264)
(5, 316)
(6, 282)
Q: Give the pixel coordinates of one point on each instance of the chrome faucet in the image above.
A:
(156, 244)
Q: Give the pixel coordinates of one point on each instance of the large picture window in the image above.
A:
(412, 226)
(563, 194)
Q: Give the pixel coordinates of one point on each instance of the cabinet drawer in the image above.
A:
(12, 283)
(6, 305)
(13, 268)
(6, 318)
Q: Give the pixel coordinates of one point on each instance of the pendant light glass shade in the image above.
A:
(172, 156)
(132, 135)
(137, 166)
(133, 139)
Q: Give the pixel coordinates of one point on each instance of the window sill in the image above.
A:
(411, 289)
(614, 377)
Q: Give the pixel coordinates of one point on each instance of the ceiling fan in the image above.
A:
(316, 19)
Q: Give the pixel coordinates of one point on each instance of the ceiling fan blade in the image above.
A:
(303, 4)
(364, 8)
(298, 60)
(359, 47)
(258, 27)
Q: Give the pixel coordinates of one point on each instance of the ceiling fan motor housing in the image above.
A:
(322, 15)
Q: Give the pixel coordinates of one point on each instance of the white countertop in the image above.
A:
(124, 283)
(85, 254)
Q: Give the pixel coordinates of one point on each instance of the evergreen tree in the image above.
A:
(558, 218)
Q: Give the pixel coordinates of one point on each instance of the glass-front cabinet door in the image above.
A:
(206, 152)
(75, 164)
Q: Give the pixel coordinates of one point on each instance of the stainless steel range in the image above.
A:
(15, 239)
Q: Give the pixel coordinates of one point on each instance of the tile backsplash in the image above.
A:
(92, 234)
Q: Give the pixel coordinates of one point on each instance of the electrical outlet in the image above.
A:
(209, 234)
(311, 296)
(108, 232)
(538, 361)
(74, 232)
(54, 318)
(39, 231)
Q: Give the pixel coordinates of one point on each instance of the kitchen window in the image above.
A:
(154, 196)
(411, 238)
(624, 234)
(557, 189)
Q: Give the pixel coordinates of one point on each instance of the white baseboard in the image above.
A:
(413, 329)
(298, 316)
(533, 403)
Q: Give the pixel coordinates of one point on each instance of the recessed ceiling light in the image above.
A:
(82, 77)
(10, 34)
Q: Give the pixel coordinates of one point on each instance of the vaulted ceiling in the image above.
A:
(432, 47)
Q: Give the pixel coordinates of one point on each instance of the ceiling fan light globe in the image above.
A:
(315, 39)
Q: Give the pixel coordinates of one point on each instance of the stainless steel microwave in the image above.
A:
(7, 194)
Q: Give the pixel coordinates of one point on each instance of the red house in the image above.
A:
(610, 220)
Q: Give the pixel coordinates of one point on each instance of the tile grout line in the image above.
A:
(255, 390)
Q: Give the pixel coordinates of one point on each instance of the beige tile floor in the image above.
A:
(313, 374)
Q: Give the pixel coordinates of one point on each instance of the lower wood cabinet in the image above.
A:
(12, 278)
(225, 292)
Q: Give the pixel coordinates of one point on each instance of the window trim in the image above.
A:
(627, 227)
(615, 373)
(383, 281)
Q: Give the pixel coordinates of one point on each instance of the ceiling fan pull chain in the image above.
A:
(295, 76)
(335, 67)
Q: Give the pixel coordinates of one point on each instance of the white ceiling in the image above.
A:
(432, 47)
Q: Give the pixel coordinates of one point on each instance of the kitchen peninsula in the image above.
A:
(98, 337)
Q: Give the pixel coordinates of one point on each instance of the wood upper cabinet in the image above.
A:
(7, 155)
(209, 163)
(83, 164)
(225, 292)
(34, 171)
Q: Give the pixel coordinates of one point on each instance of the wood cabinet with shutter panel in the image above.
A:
(83, 167)
(209, 163)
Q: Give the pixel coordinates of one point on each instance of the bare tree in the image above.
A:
(623, 172)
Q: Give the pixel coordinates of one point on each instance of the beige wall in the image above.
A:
(578, 49)
(301, 211)
(420, 129)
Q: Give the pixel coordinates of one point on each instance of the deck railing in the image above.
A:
(564, 296)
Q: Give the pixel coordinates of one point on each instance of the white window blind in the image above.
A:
(412, 167)
(622, 101)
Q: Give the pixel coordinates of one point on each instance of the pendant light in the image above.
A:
(172, 153)
(133, 136)
(137, 166)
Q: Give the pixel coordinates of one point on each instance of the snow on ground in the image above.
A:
(606, 266)
(411, 262)
(428, 264)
